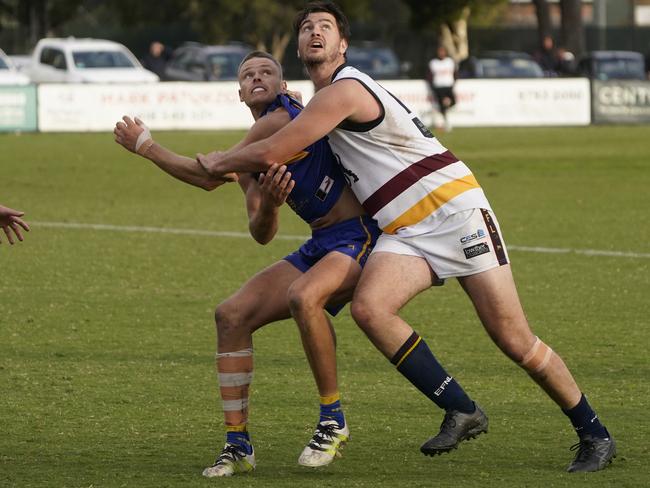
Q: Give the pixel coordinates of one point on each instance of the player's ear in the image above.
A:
(284, 86)
(240, 98)
(343, 47)
(297, 54)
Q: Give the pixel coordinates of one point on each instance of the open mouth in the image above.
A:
(316, 45)
(258, 89)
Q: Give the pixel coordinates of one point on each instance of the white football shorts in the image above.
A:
(466, 243)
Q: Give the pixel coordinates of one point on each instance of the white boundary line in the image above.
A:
(287, 237)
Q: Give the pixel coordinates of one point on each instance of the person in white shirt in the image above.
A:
(442, 75)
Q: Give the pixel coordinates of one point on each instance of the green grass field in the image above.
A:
(107, 337)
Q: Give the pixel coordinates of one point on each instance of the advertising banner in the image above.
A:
(621, 101)
(212, 106)
(166, 106)
(17, 108)
(522, 102)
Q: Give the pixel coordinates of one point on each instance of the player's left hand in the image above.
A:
(276, 184)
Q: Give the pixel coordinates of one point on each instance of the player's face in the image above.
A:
(319, 40)
(259, 81)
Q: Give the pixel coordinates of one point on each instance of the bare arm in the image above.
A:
(135, 137)
(345, 99)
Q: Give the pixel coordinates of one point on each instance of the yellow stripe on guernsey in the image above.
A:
(365, 244)
(296, 157)
(408, 352)
(433, 201)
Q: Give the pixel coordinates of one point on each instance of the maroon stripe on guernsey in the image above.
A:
(495, 237)
(403, 180)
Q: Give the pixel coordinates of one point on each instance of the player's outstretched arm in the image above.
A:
(11, 223)
(328, 108)
(135, 136)
(263, 200)
(263, 128)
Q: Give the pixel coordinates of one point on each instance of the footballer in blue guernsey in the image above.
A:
(320, 275)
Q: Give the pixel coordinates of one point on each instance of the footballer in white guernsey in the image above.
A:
(437, 224)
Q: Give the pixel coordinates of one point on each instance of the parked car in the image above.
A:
(9, 75)
(74, 60)
(379, 62)
(613, 65)
(199, 62)
(500, 64)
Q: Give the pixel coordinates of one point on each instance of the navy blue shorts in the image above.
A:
(355, 237)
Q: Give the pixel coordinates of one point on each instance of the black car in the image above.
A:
(199, 62)
(378, 62)
(613, 65)
(500, 64)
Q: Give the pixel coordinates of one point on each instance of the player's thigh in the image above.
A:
(389, 280)
(263, 298)
(494, 295)
(332, 279)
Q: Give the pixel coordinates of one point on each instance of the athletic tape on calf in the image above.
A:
(236, 354)
(235, 379)
(537, 358)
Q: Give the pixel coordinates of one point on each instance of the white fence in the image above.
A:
(212, 106)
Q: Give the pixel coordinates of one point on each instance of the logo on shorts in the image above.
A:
(476, 235)
(477, 250)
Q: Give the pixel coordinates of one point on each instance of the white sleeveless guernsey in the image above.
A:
(398, 170)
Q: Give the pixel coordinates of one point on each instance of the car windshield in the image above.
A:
(225, 65)
(510, 68)
(101, 59)
(612, 69)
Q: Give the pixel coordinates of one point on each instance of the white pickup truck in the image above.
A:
(72, 60)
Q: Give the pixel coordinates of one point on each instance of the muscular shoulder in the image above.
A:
(271, 123)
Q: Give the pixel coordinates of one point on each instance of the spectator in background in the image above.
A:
(10, 220)
(566, 62)
(156, 59)
(547, 57)
(442, 76)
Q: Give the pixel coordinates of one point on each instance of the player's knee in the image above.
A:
(363, 313)
(513, 347)
(302, 300)
(227, 318)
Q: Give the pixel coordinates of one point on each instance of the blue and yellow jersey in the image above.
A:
(318, 177)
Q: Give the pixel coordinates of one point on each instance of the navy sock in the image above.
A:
(331, 410)
(241, 439)
(416, 362)
(584, 420)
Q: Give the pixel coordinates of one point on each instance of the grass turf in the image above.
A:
(107, 341)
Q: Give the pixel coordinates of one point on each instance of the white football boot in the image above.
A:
(325, 445)
(232, 460)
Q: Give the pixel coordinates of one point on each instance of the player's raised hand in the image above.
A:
(276, 184)
(296, 95)
(11, 223)
(133, 135)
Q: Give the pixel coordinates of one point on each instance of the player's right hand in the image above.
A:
(131, 134)
(11, 222)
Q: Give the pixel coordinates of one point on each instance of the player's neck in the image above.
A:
(321, 74)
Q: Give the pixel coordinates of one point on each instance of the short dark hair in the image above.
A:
(260, 54)
(327, 7)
